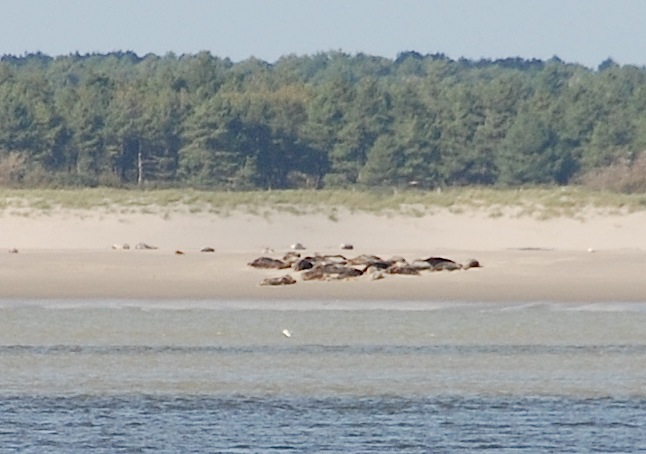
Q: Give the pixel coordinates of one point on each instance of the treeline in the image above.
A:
(324, 120)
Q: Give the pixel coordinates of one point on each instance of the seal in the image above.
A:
(268, 262)
(143, 246)
(283, 280)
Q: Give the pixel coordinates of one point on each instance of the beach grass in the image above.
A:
(541, 203)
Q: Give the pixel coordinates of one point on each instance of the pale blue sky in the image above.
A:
(577, 31)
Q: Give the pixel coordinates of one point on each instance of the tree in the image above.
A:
(383, 164)
(532, 154)
(87, 121)
(330, 119)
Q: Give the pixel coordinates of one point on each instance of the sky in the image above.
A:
(586, 32)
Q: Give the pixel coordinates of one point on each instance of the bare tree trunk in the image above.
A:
(140, 169)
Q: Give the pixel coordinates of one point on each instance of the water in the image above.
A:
(200, 376)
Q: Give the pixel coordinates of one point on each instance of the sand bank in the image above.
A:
(69, 255)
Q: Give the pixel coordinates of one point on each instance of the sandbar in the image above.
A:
(70, 255)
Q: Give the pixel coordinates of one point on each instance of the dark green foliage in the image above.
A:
(324, 120)
(533, 154)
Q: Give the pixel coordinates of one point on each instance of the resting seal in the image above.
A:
(268, 262)
(144, 246)
(283, 280)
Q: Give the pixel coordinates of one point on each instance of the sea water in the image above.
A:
(257, 376)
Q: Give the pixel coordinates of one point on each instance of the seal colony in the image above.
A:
(338, 267)
(334, 267)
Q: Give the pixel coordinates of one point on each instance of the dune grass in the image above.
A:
(541, 203)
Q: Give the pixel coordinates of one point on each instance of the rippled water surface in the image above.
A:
(183, 376)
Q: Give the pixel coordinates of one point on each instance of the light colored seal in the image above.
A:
(282, 280)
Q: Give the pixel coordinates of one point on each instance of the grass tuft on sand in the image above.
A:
(539, 203)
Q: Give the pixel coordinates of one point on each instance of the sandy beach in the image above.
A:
(69, 254)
